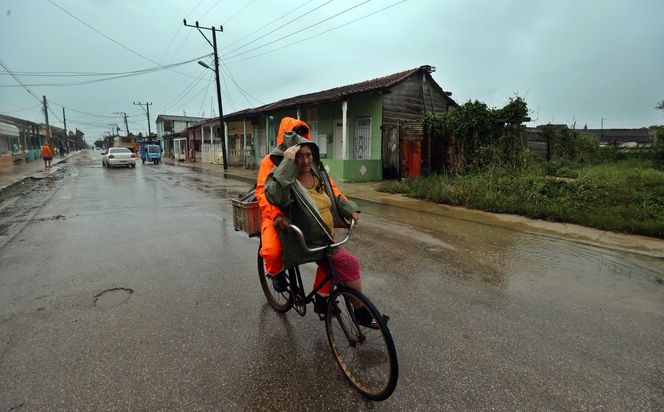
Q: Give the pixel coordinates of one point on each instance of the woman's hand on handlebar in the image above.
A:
(281, 223)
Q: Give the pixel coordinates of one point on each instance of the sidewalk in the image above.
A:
(367, 192)
(35, 169)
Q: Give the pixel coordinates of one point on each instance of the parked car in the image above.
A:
(118, 156)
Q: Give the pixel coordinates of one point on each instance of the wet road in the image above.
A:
(129, 289)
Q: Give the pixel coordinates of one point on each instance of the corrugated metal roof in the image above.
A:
(179, 118)
(337, 93)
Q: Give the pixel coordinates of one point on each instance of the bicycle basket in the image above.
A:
(247, 214)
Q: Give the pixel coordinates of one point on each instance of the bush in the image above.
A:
(627, 196)
(561, 167)
(658, 148)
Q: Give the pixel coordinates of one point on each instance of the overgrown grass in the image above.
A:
(626, 196)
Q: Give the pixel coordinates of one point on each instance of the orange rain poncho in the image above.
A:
(271, 246)
(46, 151)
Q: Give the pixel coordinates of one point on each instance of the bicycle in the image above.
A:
(366, 356)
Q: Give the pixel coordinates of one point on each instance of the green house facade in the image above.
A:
(354, 126)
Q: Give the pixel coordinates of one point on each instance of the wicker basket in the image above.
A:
(246, 217)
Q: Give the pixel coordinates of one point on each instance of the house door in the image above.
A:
(336, 137)
(180, 149)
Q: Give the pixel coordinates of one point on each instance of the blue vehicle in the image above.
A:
(150, 152)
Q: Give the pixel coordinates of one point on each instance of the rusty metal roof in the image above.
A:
(337, 93)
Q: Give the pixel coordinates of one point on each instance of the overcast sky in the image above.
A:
(572, 60)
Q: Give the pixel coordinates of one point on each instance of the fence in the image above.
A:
(212, 153)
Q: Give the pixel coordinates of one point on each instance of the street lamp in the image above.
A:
(202, 63)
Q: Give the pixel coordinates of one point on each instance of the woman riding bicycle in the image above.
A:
(300, 187)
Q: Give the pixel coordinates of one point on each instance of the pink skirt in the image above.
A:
(346, 266)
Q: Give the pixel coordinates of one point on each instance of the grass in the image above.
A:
(626, 196)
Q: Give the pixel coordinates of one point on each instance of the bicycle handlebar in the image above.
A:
(303, 242)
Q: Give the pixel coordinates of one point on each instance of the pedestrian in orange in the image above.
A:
(47, 154)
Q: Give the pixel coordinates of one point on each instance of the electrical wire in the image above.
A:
(102, 34)
(4, 66)
(298, 31)
(238, 12)
(21, 110)
(315, 35)
(283, 25)
(242, 91)
(90, 74)
(200, 109)
(121, 76)
(288, 13)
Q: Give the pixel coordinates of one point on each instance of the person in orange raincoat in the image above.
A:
(271, 250)
(47, 154)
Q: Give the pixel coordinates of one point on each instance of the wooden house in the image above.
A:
(366, 131)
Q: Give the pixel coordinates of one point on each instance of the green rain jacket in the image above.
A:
(283, 190)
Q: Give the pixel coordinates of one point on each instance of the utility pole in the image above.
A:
(216, 73)
(125, 120)
(48, 128)
(64, 120)
(147, 109)
(601, 130)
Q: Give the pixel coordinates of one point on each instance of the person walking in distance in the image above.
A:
(47, 154)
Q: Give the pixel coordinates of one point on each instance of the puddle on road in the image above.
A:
(521, 261)
(112, 297)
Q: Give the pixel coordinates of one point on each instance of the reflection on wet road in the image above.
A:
(129, 289)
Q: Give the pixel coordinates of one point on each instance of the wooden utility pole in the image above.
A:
(147, 110)
(48, 128)
(125, 120)
(64, 120)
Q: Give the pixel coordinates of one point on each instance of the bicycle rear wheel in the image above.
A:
(366, 356)
(281, 302)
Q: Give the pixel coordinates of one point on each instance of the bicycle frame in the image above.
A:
(297, 289)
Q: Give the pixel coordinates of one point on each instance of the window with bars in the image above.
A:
(363, 138)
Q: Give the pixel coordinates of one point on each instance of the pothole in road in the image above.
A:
(112, 297)
(56, 217)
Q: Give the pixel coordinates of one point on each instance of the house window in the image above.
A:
(363, 138)
(168, 126)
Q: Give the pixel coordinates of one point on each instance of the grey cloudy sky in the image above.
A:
(572, 60)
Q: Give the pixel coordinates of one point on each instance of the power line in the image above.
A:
(153, 83)
(238, 12)
(108, 37)
(90, 74)
(22, 110)
(269, 24)
(83, 112)
(102, 34)
(283, 25)
(299, 31)
(317, 34)
(242, 91)
(127, 74)
(4, 66)
(206, 92)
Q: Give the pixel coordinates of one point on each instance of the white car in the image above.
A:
(118, 156)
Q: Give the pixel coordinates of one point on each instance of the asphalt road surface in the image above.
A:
(129, 289)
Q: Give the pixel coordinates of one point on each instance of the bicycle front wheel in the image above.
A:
(281, 302)
(366, 356)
